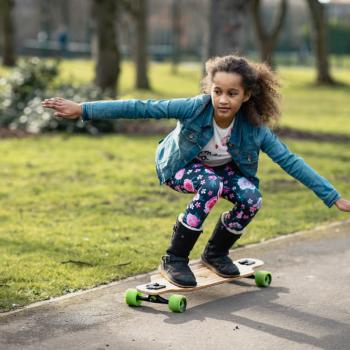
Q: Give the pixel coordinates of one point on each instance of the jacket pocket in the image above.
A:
(249, 157)
(248, 162)
(188, 144)
(190, 135)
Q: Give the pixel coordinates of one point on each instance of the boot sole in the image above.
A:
(212, 268)
(168, 278)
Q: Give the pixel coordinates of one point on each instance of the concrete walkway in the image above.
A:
(306, 307)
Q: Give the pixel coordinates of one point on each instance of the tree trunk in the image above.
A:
(107, 58)
(45, 21)
(318, 17)
(267, 41)
(227, 19)
(8, 34)
(176, 31)
(141, 58)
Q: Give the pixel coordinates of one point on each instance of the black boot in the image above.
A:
(174, 265)
(215, 255)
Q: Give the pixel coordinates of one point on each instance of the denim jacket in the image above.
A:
(194, 130)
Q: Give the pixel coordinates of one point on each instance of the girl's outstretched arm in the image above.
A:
(178, 108)
(64, 108)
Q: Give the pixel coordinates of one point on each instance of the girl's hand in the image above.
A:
(343, 204)
(64, 108)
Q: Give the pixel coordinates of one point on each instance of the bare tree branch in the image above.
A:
(267, 41)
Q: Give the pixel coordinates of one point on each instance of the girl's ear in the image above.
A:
(247, 96)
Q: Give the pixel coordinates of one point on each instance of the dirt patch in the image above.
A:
(146, 127)
(7, 133)
(306, 135)
(278, 185)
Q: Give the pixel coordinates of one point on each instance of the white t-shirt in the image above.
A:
(215, 153)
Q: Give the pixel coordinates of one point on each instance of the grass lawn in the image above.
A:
(78, 211)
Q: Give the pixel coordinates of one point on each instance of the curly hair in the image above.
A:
(257, 78)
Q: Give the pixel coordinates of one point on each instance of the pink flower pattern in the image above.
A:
(209, 184)
(179, 175)
(192, 220)
(209, 204)
(188, 185)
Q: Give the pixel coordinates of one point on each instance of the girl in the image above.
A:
(213, 152)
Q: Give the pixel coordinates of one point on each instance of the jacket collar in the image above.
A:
(235, 138)
(207, 106)
(207, 121)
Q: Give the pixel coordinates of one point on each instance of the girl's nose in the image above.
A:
(223, 99)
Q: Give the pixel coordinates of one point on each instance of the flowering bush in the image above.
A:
(31, 82)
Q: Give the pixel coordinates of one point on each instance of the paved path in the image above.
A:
(306, 307)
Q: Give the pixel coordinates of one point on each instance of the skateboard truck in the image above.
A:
(153, 299)
(176, 303)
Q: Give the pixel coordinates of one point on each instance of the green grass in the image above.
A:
(164, 84)
(316, 109)
(79, 211)
(82, 199)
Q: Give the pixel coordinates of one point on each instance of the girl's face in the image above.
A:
(227, 95)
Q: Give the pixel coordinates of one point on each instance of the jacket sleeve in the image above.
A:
(296, 167)
(180, 108)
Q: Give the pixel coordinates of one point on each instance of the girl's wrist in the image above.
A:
(80, 110)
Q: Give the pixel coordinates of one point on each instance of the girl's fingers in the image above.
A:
(48, 102)
(52, 104)
(54, 100)
(62, 115)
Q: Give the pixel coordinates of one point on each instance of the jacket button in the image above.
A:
(191, 136)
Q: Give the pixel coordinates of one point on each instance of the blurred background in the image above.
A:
(80, 47)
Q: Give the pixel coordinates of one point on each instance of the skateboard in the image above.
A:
(151, 292)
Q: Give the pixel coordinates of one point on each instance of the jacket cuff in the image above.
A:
(331, 199)
(86, 111)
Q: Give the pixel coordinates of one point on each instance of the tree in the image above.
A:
(107, 53)
(138, 9)
(267, 41)
(176, 31)
(318, 18)
(227, 20)
(8, 33)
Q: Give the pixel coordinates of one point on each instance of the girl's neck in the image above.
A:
(223, 124)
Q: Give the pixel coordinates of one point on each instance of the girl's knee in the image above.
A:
(213, 186)
(251, 198)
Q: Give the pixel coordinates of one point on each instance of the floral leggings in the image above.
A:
(211, 183)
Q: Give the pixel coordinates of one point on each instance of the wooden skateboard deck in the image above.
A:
(151, 292)
(204, 277)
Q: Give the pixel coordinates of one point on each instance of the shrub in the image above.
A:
(33, 81)
(28, 80)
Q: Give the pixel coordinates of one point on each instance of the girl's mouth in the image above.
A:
(224, 109)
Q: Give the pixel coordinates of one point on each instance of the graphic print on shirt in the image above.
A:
(215, 153)
(206, 154)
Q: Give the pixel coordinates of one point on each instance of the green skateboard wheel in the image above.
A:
(177, 303)
(263, 278)
(131, 297)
